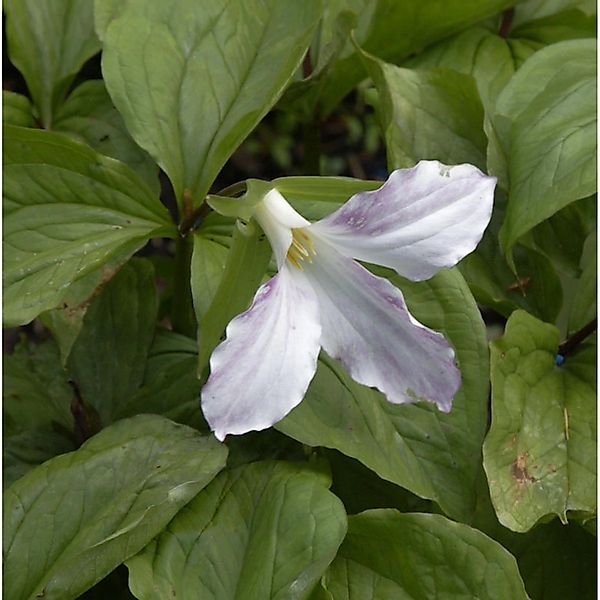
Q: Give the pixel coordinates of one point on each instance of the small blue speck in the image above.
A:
(559, 360)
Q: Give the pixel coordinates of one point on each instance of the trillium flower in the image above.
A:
(420, 220)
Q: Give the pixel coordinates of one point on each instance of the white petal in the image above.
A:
(263, 368)
(367, 327)
(277, 218)
(420, 220)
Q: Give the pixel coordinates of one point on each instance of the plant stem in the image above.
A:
(569, 346)
(507, 18)
(194, 219)
(182, 310)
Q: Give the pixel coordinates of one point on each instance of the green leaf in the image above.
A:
(170, 387)
(584, 306)
(89, 116)
(394, 29)
(37, 419)
(387, 554)
(246, 264)
(67, 211)
(66, 321)
(313, 197)
(432, 454)
(561, 237)
(208, 266)
(24, 451)
(16, 110)
(566, 25)
(545, 122)
(192, 80)
(108, 357)
(72, 520)
(317, 197)
(533, 10)
(264, 530)
(35, 389)
(537, 287)
(540, 452)
(48, 41)
(477, 52)
(433, 114)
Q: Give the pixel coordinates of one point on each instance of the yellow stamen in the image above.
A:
(301, 248)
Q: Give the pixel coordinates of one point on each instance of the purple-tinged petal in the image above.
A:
(418, 221)
(277, 219)
(263, 368)
(367, 327)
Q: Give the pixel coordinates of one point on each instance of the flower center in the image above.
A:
(301, 249)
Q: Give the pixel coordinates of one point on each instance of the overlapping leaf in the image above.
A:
(67, 211)
(48, 41)
(89, 116)
(393, 29)
(387, 554)
(264, 530)
(170, 385)
(37, 419)
(108, 358)
(193, 79)
(428, 114)
(545, 124)
(72, 520)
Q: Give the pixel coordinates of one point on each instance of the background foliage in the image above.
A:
(119, 117)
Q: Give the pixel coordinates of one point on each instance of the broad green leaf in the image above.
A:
(265, 530)
(193, 79)
(88, 115)
(566, 25)
(37, 419)
(72, 520)
(562, 237)
(108, 358)
(66, 321)
(67, 211)
(35, 389)
(106, 11)
(545, 121)
(16, 110)
(170, 386)
(24, 451)
(48, 41)
(208, 265)
(537, 287)
(394, 29)
(540, 452)
(246, 264)
(485, 56)
(432, 454)
(584, 306)
(533, 10)
(428, 114)
(387, 554)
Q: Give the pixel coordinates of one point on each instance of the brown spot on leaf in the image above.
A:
(518, 469)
